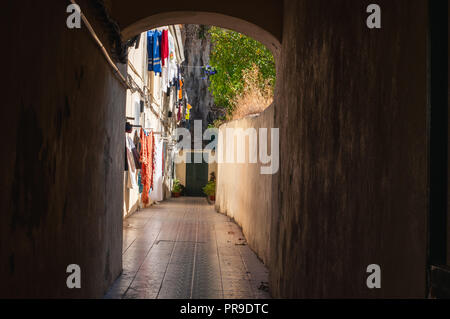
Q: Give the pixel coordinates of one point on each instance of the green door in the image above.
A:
(196, 177)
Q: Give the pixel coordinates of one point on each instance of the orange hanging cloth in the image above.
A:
(180, 92)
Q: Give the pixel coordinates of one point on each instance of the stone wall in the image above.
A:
(197, 49)
(352, 188)
(351, 105)
(64, 117)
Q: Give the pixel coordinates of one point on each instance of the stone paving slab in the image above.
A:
(183, 249)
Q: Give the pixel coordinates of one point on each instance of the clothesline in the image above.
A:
(193, 66)
(156, 133)
(148, 129)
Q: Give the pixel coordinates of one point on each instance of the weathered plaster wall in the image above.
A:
(137, 58)
(352, 188)
(243, 193)
(62, 156)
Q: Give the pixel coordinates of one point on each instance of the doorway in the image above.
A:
(196, 176)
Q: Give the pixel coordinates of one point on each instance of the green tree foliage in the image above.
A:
(232, 53)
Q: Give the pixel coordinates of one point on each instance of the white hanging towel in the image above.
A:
(172, 74)
(157, 193)
(131, 166)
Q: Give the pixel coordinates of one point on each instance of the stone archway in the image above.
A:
(206, 18)
(263, 22)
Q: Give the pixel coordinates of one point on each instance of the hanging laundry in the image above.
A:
(132, 182)
(169, 72)
(164, 78)
(170, 69)
(147, 158)
(177, 82)
(157, 191)
(137, 142)
(130, 160)
(164, 46)
(172, 62)
(175, 79)
(128, 127)
(134, 152)
(180, 91)
(209, 70)
(179, 113)
(188, 112)
(150, 50)
(154, 51)
(141, 187)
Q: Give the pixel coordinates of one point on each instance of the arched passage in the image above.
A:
(352, 187)
(207, 18)
(256, 234)
(262, 22)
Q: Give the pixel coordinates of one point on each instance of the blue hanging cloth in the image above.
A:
(150, 50)
(141, 187)
(154, 51)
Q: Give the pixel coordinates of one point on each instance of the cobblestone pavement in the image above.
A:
(183, 249)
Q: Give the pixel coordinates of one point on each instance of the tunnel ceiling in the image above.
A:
(259, 20)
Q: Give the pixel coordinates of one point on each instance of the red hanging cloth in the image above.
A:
(164, 46)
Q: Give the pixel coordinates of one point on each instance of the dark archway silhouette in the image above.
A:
(206, 18)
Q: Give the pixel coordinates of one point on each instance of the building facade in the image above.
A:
(154, 106)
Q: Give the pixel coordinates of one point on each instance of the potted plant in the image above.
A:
(210, 190)
(176, 188)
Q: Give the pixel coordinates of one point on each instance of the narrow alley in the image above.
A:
(293, 149)
(182, 249)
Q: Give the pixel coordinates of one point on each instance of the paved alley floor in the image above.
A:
(183, 249)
